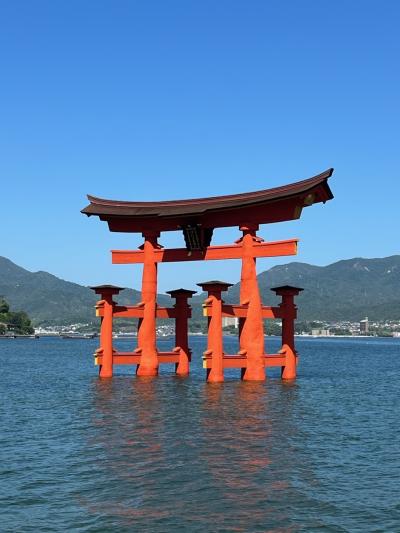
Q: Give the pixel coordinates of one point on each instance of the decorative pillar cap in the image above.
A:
(287, 290)
(106, 289)
(181, 292)
(214, 285)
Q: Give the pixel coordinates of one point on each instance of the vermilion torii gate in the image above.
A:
(197, 218)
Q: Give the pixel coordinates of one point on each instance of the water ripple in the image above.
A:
(173, 454)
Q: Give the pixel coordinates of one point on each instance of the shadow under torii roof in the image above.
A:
(259, 207)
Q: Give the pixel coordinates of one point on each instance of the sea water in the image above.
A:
(171, 454)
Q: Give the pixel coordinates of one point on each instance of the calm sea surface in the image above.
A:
(171, 454)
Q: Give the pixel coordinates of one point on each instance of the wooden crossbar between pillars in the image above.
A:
(133, 358)
(228, 310)
(212, 253)
(240, 311)
(137, 311)
(240, 361)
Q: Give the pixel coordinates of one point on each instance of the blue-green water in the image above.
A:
(171, 454)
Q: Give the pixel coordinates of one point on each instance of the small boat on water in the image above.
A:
(16, 336)
(78, 336)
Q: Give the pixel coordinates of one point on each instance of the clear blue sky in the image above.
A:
(144, 100)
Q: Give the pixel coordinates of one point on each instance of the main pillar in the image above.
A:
(106, 328)
(181, 328)
(251, 328)
(147, 340)
(287, 292)
(214, 289)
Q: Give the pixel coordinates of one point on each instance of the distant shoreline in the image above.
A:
(195, 335)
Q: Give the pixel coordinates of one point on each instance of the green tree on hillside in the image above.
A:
(4, 307)
(17, 321)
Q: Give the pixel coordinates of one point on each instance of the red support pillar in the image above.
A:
(214, 289)
(289, 314)
(147, 341)
(106, 328)
(183, 313)
(251, 328)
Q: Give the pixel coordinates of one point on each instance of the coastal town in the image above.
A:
(363, 328)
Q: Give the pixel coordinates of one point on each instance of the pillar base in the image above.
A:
(215, 380)
(146, 371)
(182, 367)
(254, 376)
(105, 374)
(182, 373)
(289, 370)
(213, 377)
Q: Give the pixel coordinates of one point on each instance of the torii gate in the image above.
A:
(197, 218)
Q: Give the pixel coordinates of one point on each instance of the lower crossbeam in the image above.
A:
(240, 361)
(133, 358)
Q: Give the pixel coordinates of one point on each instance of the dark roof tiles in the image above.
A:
(192, 206)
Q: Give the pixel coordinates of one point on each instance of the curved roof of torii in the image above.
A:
(260, 207)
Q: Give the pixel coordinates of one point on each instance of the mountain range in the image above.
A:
(346, 290)
(51, 300)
